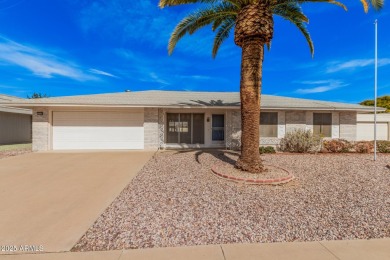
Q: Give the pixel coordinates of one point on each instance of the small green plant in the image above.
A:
(300, 141)
(383, 146)
(37, 95)
(337, 146)
(266, 149)
(364, 146)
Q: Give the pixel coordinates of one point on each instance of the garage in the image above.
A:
(365, 131)
(80, 130)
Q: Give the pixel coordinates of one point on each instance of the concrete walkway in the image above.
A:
(51, 199)
(375, 249)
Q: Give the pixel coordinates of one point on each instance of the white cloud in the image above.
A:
(325, 85)
(195, 77)
(40, 63)
(100, 72)
(354, 64)
(153, 78)
(314, 90)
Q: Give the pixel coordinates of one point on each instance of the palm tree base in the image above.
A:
(251, 165)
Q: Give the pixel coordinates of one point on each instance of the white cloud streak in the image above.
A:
(355, 64)
(324, 86)
(40, 63)
(100, 72)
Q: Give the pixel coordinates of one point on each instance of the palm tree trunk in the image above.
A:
(250, 93)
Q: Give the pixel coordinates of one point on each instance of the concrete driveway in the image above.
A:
(51, 199)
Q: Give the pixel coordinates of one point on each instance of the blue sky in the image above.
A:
(73, 47)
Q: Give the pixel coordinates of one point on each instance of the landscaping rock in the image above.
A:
(175, 201)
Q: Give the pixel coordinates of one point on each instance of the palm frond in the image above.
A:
(217, 23)
(293, 12)
(302, 27)
(165, 3)
(290, 10)
(200, 19)
(284, 2)
(222, 34)
(365, 5)
(377, 4)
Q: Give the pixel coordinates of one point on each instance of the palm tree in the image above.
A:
(253, 25)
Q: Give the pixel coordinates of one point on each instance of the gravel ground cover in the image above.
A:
(14, 150)
(227, 162)
(176, 201)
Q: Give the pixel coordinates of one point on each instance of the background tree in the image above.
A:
(252, 21)
(380, 101)
(37, 95)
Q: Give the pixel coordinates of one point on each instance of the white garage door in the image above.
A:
(98, 130)
(365, 131)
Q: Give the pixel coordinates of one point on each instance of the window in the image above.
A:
(269, 124)
(185, 128)
(322, 124)
(218, 127)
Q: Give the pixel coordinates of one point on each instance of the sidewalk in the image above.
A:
(375, 249)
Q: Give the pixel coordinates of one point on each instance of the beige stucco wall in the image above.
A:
(15, 128)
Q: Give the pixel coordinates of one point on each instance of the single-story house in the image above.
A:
(15, 123)
(176, 119)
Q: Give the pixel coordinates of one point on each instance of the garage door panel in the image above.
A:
(98, 130)
(98, 119)
(365, 131)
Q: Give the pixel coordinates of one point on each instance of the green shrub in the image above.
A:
(383, 146)
(337, 146)
(266, 149)
(300, 141)
(364, 146)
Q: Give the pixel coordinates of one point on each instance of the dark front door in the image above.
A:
(218, 127)
(198, 128)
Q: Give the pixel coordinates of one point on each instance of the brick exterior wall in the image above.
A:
(151, 130)
(348, 125)
(40, 130)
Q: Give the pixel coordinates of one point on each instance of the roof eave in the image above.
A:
(35, 105)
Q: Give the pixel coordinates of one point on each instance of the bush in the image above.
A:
(300, 141)
(364, 147)
(383, 146)
(266, 149)
(337, 146)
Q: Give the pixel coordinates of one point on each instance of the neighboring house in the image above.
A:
(175, 119)
(15, 123)
(365, 127)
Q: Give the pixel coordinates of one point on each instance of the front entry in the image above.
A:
(185, 128)
(218, 128)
